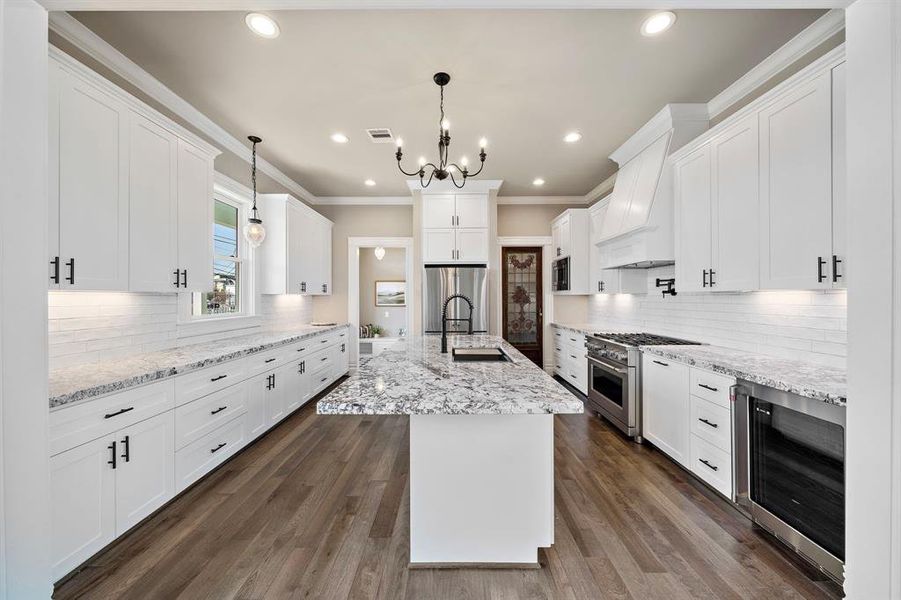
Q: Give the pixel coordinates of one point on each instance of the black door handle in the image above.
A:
(112, 460)
(705, 278)
(118, 412)
(820, 264)
(127, 445)
(71, 276)
(706, 422)
(709, 465)
(835, 262)
(177, 281)
(55, 262)
(218, 410)
(707, 387)
(217, 448)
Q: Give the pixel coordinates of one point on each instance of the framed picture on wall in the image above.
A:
(390, 293)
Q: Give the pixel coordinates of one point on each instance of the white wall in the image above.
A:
(24, 450)
(873, 466)
(802, 325)
(391, 268)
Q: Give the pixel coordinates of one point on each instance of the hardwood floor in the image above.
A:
(319, 508)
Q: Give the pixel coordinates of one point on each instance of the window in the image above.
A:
(227, 295)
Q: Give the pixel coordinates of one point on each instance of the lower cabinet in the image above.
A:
(570, 359)
(117, 459)
(665, 406)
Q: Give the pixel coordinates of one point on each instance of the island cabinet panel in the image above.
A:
(481, 488)
(665, 406)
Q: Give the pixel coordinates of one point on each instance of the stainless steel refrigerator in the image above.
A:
(441, 281)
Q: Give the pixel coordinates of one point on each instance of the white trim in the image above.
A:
(815, 34)
(541, 199)
(665, 120)
(74, 32)
(353, 285)
(364, 200)
(223, 5)
(601, 190)
(546, 242)
(228, 187)
(473, 186)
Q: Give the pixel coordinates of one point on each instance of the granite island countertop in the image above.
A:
(77, 383)
(413, 377)
(810, 380)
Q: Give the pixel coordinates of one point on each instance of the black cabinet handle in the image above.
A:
(820, 264)
(324, 358)
(273, 381)
(835, 262)
(118, 412)
(342, 347)
(55, 262)
(303, 286)
(323, 341)
(71, 276)
(706, 422)
(573, 356)
(112, 460)
(707, 387)
(324, 288)
(301, 349)
(323, 379)
(709, 465)
(217, 448)
(600, 286)
(712, 282)
(705, 278)
(218, 410)
(269, 360)
(177, 282)
(184, 276)
(303, 367)
(219, 377)
(126, 443)
(662, 364)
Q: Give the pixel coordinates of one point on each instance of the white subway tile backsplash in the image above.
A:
(803, 325)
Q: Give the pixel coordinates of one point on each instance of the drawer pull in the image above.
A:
(571, 375)
(118, 412)
(708, 464)
(572, 339)
(573, 356)
(301, 349)
(323, 358)
(217, 448)
(221, 408)
(323, 341)
(706, 422)
(662, 364)
(323, 379)
(707, 387)
(558, 349)
(218, 378)
(269, 360)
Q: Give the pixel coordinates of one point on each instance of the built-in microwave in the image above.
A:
(560, 275)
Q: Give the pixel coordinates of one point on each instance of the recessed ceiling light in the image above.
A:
(538, 181)
(572, 137)
(369, 182)
(658, 23)
(340, 138)
(262, 25)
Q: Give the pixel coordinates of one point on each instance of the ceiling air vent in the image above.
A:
(380, 136)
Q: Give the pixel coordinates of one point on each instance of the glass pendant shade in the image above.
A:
(254, 232)
(380, 253)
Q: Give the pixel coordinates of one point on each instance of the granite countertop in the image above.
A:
(583, 328)
(810, 380)
(73, 384)
(413, 377)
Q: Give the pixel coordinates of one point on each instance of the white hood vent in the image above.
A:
(637, 231)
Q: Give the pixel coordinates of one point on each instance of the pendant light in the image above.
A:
(254, 232)
(379, 253)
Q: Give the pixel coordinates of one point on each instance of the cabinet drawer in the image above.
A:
(197, 418)
(321, 378)
(195, 385)
(712, 422)
(711, 386)
(321, 359)
(266, 361)
(712, 465)
(200, 457)
(71, 426)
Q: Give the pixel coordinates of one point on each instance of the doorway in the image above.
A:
(522, 300)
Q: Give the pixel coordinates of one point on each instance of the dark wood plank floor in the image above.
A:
(319, 508)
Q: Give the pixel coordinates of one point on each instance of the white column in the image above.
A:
(873, 466)
(24, 466)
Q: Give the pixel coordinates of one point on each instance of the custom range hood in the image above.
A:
(637, 231)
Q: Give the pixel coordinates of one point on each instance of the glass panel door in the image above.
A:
(522, 297)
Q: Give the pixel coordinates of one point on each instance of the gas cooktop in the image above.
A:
(642, 339)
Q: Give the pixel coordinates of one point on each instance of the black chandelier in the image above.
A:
(443, 169)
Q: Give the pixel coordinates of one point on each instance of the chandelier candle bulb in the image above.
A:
(445, 125)
(422, 161)
(400, 142)
(464, 162)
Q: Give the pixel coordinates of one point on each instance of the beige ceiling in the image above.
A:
(520, 78)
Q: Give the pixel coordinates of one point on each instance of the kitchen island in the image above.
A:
(481, 447)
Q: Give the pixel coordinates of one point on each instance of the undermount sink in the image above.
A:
(485, 354)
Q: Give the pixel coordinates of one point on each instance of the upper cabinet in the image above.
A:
(297, 254)
(760, 199)
(455, 228)
(569, 232)
(130, 191)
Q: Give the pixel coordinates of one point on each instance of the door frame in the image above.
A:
(354, 244)
(545, 242)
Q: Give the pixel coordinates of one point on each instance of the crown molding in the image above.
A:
(815, 34)
(170, 5)
(541, 200)
(364, 200)
(74, 32)
(222, 184)
(669, 117)
(473, 186)
(601, 190)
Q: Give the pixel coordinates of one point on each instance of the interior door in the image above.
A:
(522, 301)
(195, 218)
(145, 470)
(693, 220)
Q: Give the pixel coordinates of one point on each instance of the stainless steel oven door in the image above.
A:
(610, 388)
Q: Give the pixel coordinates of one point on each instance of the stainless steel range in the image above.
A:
(614, 377)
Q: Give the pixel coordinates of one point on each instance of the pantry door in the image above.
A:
(522, 300)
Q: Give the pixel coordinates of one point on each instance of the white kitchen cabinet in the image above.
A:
(717, 212)
(561, 235)
(89, 133)
(257, 415)
(297, 254)
(153, 208)
(839, 180)
(472, 211)
(455, 228)
(83, 515)
(796, 187)
(439, 211)
(276, 398)
(297, 384)
(665, 406)
(472, 245)
(570, 233)
(145, 469)
(195, 217)
(439, 245)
